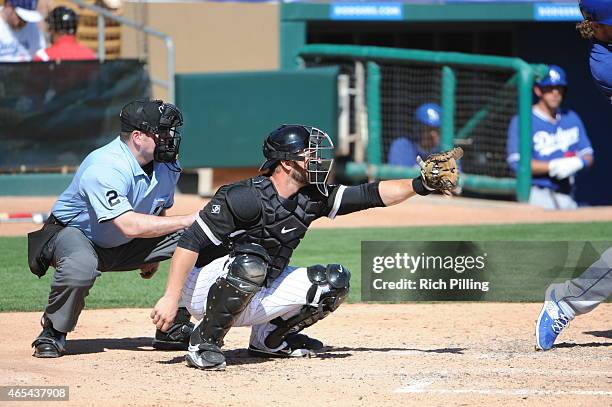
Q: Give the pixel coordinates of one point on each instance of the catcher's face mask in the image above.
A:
(319, 158)
(167, 137)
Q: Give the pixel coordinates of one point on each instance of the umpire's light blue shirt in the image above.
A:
(109, 183)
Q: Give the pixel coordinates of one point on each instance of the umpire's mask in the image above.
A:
(168, 137)
(160, 121)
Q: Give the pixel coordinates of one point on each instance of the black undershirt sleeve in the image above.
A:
(356, 198)
(233, 208)
(194, 239)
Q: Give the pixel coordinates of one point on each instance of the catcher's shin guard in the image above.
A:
(227, 298)
(334, 275)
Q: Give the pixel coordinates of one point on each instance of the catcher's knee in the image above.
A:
(336, 277)
(249, 266)
(329, 289)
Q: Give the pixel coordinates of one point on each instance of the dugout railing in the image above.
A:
(103, 14)
(479, 95)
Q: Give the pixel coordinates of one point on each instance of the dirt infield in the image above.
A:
(408, 354)
(405, 354)
(419, 211)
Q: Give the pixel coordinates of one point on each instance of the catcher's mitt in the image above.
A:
(439, 171)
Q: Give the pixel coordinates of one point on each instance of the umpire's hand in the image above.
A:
(147, 270)
(164, 312)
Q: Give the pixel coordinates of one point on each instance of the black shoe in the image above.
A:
(301, 341)
(177, 336)
(205, 356)
(298, 346)
(50, 343)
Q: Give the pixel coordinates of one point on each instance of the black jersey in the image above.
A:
(252, 211)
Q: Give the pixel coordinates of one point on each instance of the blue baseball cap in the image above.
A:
(26, 10)
(599, 11)
(429, 114)
(556, 77)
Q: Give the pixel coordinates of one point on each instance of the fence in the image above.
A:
(479, 95)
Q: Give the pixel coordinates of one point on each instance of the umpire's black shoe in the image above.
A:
(51, 343)
(177, 336)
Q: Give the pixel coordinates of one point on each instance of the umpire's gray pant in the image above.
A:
(78, 262)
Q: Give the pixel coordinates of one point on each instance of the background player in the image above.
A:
(597, 27)
(112, 218)
(259, 222)
(404, 151)
(562, 302)
(561, 146)
(20, 36)
(63, 23)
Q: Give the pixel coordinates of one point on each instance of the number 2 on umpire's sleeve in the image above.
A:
(112, 198)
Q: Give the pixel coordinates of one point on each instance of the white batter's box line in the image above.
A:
(422, 386)
(523, 371)
(528, 355)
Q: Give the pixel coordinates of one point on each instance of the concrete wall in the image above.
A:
(209, 37)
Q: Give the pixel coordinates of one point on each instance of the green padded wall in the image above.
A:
(228, 115)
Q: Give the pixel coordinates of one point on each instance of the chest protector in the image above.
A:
(283, 222)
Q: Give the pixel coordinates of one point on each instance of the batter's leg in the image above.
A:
(585, 292)
(574, 297)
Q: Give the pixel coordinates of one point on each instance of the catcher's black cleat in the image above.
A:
(298, 346)
(50, 343)
(205, 356)
(177, 336)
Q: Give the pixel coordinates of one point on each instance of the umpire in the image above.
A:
(111, 218)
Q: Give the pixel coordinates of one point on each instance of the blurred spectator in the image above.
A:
(114, 5)
(561, 146)
(404, 151)
(63, 23)
(20, 36)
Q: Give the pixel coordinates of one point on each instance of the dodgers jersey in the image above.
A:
(563, 137)
(109, 183)
(404, 152)
(19, 46)
(600, 61)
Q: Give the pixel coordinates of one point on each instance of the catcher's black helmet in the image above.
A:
(63, 20)
(296, 142)
(284, 143)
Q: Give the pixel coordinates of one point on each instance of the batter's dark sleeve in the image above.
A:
(343, 200)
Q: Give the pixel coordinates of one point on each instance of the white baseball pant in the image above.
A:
(284, 297)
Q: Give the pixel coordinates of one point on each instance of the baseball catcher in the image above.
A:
(247, 234)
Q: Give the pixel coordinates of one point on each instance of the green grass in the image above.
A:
(22, 291)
